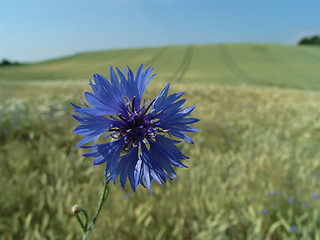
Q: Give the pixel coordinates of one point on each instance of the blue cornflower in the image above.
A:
(315, 195)
(291, 200)
(141, 146)
(264, 211)
(293, 229)
(127, 195)
(276, 192)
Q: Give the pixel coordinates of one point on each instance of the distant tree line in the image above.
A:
(6, 62)
(314, 40)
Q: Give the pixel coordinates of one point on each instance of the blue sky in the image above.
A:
(33, 30)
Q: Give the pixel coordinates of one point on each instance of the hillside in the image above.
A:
(253, 172)
(230, 64)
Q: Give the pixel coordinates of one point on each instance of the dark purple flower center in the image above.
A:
(137, 126)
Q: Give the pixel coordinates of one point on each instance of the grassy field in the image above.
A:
(253, 171)
(227, 64)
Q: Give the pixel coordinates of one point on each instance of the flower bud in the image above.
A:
(76, 209)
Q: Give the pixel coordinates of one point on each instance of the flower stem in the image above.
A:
(88, 229)
(81, 223)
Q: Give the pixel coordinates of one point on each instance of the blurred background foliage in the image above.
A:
(253, 171)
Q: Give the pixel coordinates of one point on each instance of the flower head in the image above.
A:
(291, 200)
(293, 229)
(141, 147)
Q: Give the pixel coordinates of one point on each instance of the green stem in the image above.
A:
(84, 228)
(103, 197)
(76, 210)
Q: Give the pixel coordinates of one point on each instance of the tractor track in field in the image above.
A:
(276, 61)
(233, 67)
(309, 55)
(185, 64)
(157, 55)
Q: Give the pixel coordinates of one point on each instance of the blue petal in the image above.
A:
(167, 149)
(105, 152)
(151, 167)
(89, 138)
(182, 135)
(110, 152)
(126, 168)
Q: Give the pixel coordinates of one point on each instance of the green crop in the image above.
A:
(253, 141)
